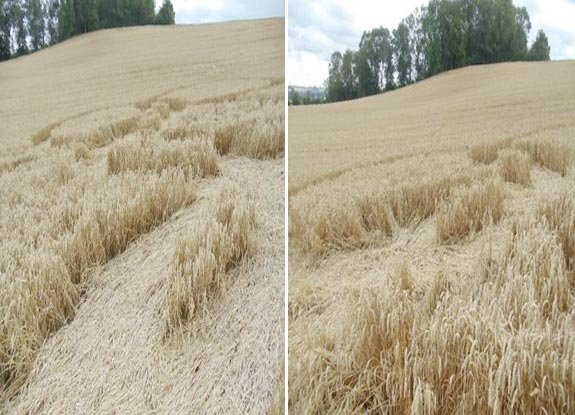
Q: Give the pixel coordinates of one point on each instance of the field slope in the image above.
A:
(141, 230)
(432, 235)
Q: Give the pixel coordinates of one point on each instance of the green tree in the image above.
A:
(443, 35)
(348, 75)
(52, 24)
(540, 49)
(385, 48)
(416, 45)
(18, 16)
(522, 29)
(166, 13)
(451, 22)
(36, 16)
(5, 25)
(141, 12)
(430, 40)
(367, 66)
(334, 87)
(112, 13)
(376, 45)
(295, 100)
(86, 16)
(66, 20)
(149, 12)
(402, 52)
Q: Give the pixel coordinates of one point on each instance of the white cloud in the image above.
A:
(557, 19)
(316, 28)
(569, 51)
(203, 11)
(306, 69)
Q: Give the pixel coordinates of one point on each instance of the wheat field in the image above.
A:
(142, 222)
(432, 247)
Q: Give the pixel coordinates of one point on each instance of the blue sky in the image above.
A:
(316, 28)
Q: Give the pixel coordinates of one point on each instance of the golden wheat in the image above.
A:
(450, 351)
(44, 133)
(83, 152)
(145, 104)
(162, 109)
(260, 136)
(175, 103)
(202, 265)
(470, 210)
(357, 222)
(278, 402)
(515, 167)
(554, 156)
(467, 307)
(560, 215)
(10, 163)
(487, 153)
(81, 286)
(99, 227)
(196, 159)
(100, 136)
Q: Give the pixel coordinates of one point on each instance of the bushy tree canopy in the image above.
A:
(540, 49)
(442, 35)
(166, 13)
(29, 25)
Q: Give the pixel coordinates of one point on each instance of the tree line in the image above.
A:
(30, 25)
(444, 35)
(305, 95)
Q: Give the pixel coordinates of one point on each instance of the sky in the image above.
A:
(317, 28)
(205, 11)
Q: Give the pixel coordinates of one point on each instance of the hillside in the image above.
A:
(431, 246)
(115, 67)
(450, 110)
(141, 230)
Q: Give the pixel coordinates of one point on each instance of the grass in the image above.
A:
(203, 264)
